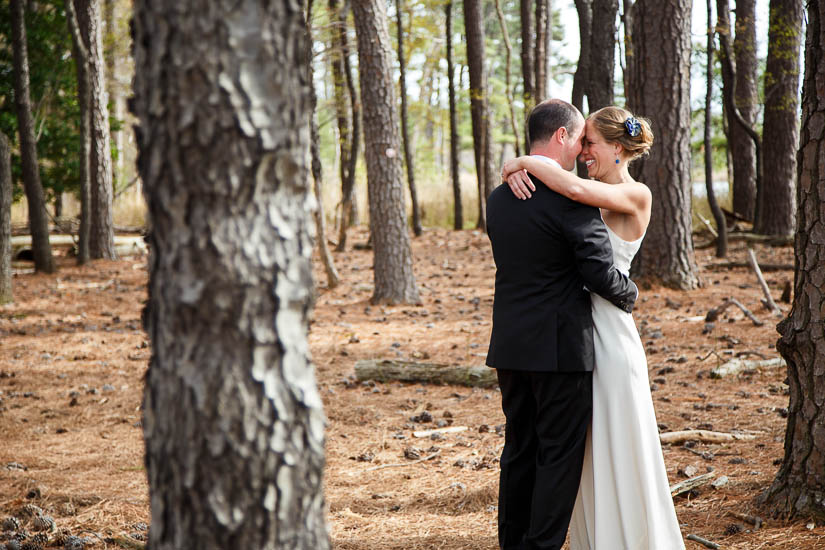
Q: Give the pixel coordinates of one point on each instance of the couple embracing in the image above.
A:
(582, 446)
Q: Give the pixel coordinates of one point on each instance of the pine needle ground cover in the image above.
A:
(73, 355)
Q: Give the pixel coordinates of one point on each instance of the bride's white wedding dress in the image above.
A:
(624, 500)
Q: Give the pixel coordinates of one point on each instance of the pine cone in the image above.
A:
(74, 543)
(13, 544)
(41, 538)
(11, 523)
(43, 523)
(60, 537)
(31, 545)
(30, 510)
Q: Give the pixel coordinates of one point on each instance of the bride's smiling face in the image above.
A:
(599, 156)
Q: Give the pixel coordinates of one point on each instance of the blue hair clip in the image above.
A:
(633, 126)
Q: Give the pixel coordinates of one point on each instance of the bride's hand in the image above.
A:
(517, 179)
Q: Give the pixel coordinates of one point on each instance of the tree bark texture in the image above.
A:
(5, 220)
(627, 41)
(405, 130)
(232, 421)
(776, 208)
(392, 269)
(581, 78)
(458, 209)
(718, 216)
(746, 99)
(348, 114)
(101, 225)
(81, 57)
(38, 223)
(602, 54)
(474, 30)
(799, 487)
(528, 53)
(543, 15)
(661, 91)
(507, 72)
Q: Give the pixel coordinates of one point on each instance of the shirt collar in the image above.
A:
(548, 160)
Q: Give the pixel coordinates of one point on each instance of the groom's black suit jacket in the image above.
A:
(547, 249)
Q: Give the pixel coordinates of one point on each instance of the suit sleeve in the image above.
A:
(586, 232)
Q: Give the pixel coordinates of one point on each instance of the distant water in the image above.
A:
(720, 188)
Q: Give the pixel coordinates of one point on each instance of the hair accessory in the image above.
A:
(633, 126)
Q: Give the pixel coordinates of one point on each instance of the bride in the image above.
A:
(624, 500)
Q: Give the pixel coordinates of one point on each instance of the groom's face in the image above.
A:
(572, 147)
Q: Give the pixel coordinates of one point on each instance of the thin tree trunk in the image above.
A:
(317, 173)
(543, 14)
(581, 78)
(393, 270)
(507, 84)
(232, 417)
(799, 488)
(730, 91)
(111, 53)
(661, 78)
(780, 119)
(629, 58)
(458, 210)
(718, 215)
(474, 30)
(101, 226)
(38, 223)
(6, 198)
(602, 54)
(739, 142)
(528, 54)
(81, 57)
(405, 132)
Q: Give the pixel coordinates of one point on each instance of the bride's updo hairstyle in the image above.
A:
(617, 125)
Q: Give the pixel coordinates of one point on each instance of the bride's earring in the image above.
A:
(617, 158)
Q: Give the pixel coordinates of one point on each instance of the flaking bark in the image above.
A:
(232, 417)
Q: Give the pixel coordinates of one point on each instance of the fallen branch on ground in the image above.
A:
(765, 267)
(384, 370)
(735, 366)
(689, 484)
(705, 436)
(765, 290)
(706, 542)
(714, 313)
(448, 430)
(398, 465)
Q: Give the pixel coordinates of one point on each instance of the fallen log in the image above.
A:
(756, 521)
(385, 370)
(769, 240)
(689, 484)
(714, 313)
(765, 267)
(705, 436)
(735, 366)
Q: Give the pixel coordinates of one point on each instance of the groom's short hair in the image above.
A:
(550, 115)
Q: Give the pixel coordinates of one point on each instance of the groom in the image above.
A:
(549, 251)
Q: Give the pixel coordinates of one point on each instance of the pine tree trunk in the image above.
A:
(81, 57)
(780, 120)
(799, 487)
(507, 72)
(348, 115)
(405, 131)
(474, 31)
(739, 142)
(602, 54)
(38, 223)
(581, 78)
(393, 270)
(718, 215)
(627, 41)
(543, 14)
(458, 210)
(661, 91)
(101, 225)
(333, 279)
(528, 53)
(6, 198)
(232, 418)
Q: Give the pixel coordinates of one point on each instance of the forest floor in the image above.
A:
(73, 356)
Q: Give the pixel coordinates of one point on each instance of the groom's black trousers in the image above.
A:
(547, 419)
